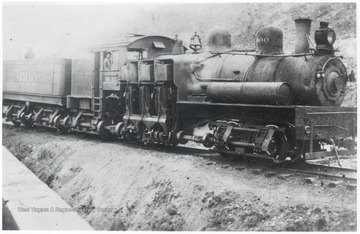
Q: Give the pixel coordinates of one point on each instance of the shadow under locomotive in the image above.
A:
(262, 101)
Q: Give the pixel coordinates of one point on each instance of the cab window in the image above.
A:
(137, 55)
(110, 60)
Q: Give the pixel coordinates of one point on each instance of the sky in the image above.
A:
(66, 31)
(62, 30)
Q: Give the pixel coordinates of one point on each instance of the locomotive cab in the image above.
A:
(101, 86)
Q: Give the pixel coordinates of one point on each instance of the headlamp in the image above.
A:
(325, 38)
(331, 36)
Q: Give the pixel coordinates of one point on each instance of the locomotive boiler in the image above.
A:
(268, 76)
(260, 102)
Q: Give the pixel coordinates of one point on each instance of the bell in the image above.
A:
(195, 43)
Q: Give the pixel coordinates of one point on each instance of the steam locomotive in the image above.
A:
(260, 102)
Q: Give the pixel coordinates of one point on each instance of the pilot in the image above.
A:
(30, 54)
(107, 61)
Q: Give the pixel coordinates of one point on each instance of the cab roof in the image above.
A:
(135, 43)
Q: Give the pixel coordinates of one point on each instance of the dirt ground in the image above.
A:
(121, 186)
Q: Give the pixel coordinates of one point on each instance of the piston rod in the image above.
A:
(242, 144)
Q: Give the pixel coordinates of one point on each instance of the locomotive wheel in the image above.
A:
(118, 130)
(278, 145)
(65, 123)
(59, 126)
(16, 123)
(105, 134)
(56, 121)
(28, 124)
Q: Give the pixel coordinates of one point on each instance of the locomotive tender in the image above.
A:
(263, 101)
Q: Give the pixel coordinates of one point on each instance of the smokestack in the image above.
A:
(302, 27)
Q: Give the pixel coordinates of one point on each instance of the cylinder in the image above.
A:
(272, 93)
(302, 27)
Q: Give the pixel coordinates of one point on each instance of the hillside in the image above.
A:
(243, 20)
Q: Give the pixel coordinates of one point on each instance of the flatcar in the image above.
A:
(260, 102)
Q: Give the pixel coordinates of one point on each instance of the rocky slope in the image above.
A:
(243, 20)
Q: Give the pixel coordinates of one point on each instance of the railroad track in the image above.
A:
(325, 171)
(338, 173)
(304, 168)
